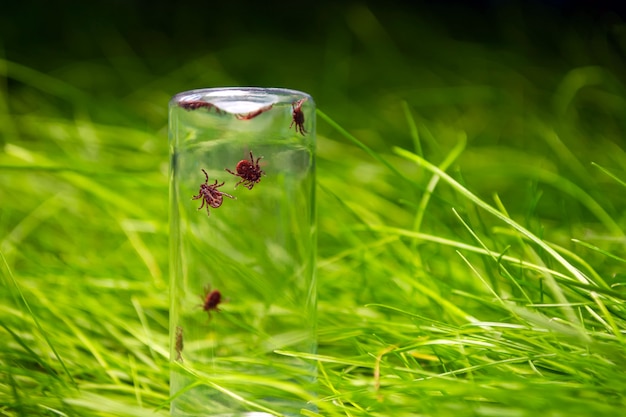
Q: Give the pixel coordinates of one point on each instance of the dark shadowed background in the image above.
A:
(336, 52)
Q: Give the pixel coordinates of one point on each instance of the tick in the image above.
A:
(198, 104)
(210, 195)
(298, 116)
(249, 171)
(179, 343)
(211, 300)
(253, 114)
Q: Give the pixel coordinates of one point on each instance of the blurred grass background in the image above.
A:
(523, 103)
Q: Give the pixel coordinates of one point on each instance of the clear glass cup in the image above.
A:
(242, 239)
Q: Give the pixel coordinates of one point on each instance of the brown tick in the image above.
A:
(253, 114)
(198, 104)
(298, 116)
(249, 171)
(211, 300)
(210, 195)
(179, 343)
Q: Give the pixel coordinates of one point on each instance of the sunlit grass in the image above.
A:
(471, 239)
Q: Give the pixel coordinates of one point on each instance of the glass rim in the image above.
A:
(239, 92)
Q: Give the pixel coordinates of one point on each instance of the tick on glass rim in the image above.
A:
(249, 171)
(252, 115)
(211, 300)
(298, 116)
(210, 195)
(198, 104)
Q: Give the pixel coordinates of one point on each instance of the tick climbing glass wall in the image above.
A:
(242, 237)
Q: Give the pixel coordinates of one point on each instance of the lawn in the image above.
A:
(470, 202)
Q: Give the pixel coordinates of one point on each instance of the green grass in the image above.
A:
(471, 228)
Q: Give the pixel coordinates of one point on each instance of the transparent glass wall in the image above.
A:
(242, 218)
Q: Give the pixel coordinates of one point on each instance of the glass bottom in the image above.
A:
(229, 394)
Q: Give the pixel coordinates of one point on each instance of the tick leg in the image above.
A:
(206, 176)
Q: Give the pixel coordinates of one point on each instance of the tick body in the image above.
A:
(253, 114)
(298, 116)
(179, 343)
(198, 104)
(211, 300)
(210, 195)
(249, 171)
